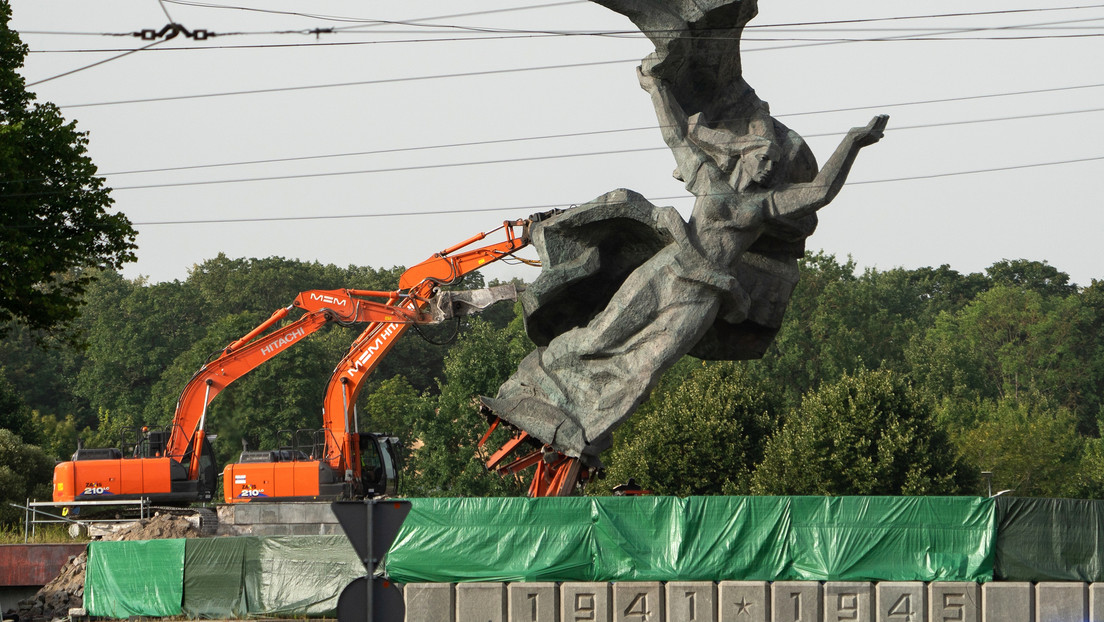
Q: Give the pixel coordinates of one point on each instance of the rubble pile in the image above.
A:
(66, 591)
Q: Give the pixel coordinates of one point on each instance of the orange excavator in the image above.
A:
(344, 462)
(176, 466)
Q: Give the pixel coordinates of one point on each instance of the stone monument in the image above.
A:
(628, 288)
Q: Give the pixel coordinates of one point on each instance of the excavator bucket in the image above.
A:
(449, 304)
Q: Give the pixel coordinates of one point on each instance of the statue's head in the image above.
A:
(755, 165)
(746, 158)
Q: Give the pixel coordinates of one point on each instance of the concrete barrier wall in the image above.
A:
(755, 601)
(308, 518)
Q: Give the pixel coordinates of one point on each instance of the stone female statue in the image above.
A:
(573, 392)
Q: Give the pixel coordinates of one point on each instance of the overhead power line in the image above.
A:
(420, 22)
(457, 74)
(260, 46)
(512, 160)
(560, 136)
(531, 209)
(95, 64)
(499, 141)
(308, 87)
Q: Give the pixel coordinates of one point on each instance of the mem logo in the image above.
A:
(330, 300)
(379, 342)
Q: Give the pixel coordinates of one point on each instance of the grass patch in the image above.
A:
(44, 534)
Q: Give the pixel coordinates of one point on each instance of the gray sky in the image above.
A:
(913, 200)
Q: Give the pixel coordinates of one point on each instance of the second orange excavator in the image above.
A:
(344, 462)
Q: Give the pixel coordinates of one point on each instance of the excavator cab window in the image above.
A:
(371, 465)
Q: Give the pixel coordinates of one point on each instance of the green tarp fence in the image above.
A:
(219, 578)
(214, 578)
(298, 576)
(1049, 540)
(140, 578)
(613, 539)
(697, 538)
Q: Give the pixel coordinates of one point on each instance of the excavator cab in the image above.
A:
(379, 465)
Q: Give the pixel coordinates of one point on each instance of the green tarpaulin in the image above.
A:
(698, 538)
(214, 578)
(298, 575)
(220, 577)
(141, 578)
(1049, 540)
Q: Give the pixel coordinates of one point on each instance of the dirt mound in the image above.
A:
(66, 591)
(159, 527)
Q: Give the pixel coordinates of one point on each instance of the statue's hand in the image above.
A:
(872, 133)
(648, 81)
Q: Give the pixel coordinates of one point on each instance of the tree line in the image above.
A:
(879, 382)
(924, 381)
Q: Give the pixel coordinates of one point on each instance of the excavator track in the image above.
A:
(206, 519)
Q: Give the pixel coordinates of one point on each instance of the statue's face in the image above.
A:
(754, 167)
(759, 166)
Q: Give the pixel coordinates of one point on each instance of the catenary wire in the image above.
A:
(95, 64)
(550, 157)
(436, 76)
(416, 22)
(580, 134)
(553, 156)
(258, 46)
(534, 208)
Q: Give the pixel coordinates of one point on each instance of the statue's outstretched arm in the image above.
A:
(673, 124)
(803, 199)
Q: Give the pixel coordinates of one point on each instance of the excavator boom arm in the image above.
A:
(418, 287)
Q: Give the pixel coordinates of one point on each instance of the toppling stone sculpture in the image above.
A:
(628, 288)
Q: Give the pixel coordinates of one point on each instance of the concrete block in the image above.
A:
(954, 601)
(227, 514)
(691, 601)
(901, 601)
(262, 513)
(429, 601)
(481, 602)
(305, 529)
(1007, 601)
(585, 602)
(796, 601)
(638, 601)
(533, 602)
(1096, 602)
(308, 513)
(848, 601)
(744, 601)
(1061, 602)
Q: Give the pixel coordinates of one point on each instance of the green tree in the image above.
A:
(838, 323)
(1029, 446)
(55, 220)
(795, 353)
(700, 433)
(446, 462)
(134, 331)
(1037, 276)
(865, 434)
(25, 473)
(58, 435)
(1013, 341)
(15, 416)
(42, 367)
